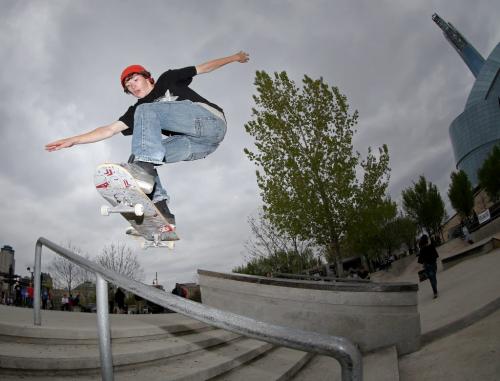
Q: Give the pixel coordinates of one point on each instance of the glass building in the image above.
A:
(476, 130)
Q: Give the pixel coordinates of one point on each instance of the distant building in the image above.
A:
(476, 130)
(7, 266)
(7, 259)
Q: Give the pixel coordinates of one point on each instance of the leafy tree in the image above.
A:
(423, 203)
(306, 164)
(489, 174)
(279, 262)
(408, 230)
(372, 232)
(461, 194)
(390, 237)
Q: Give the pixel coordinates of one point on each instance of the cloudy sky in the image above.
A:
(61, 62)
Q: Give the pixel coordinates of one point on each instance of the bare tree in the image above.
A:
(65, 273)
(119, 258)
(268, 241)
(270, 251)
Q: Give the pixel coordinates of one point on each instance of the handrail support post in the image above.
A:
(37, 290)
(103, 329)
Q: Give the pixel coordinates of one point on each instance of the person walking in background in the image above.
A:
(45, 298)
(120, 301)
(466, 235)
(76, 301)
(64, 303)
(29, 292)
(427, 257)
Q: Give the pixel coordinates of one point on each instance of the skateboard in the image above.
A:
(117, 186)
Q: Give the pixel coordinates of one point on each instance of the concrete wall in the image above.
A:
(372, 315)
(479, 248)
(490, 229)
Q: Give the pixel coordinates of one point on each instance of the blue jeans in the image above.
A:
(197, 133)
(431, 270)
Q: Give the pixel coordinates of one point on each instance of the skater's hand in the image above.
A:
(100, 133)
(59, 144)
(209, 66)
(242, 56)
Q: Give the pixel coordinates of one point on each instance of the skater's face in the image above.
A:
(138, 85)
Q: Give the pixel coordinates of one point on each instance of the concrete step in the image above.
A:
(90, 338)
(200, 365)
(63, 358)
(193, 366)
(381, 365)
(279, 364)
(81, 328)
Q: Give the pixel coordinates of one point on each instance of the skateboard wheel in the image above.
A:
(139, 210)
(104, 210)
(171, 245)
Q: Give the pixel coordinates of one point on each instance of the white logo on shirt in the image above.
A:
(169, 97)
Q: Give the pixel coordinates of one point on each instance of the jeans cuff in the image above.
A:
(161, 198)
(148, 159)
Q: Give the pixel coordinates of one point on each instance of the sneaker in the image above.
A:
(163, 208)
(132, 231)
(143, 173)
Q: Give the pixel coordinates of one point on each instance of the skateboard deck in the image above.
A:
(117, 186)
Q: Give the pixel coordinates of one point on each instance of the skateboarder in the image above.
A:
(170, 122)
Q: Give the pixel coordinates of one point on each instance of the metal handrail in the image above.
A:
(346, 353)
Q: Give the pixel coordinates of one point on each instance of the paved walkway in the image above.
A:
(469, 355)
(463, 289)
(473, 350)
(81, 325)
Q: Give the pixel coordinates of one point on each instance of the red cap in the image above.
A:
(132, 69)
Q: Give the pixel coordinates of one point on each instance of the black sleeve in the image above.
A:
(435, 253)
(182, 76)
(128, 119)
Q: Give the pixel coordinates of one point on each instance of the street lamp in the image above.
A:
(32, 276)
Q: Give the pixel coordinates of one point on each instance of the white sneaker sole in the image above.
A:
(145, 186)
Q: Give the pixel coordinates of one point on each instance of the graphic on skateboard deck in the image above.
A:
(117, 186)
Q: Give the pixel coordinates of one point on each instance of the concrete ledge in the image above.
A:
(477, 249)
(461, 323)
(373, 315)
(348, 285)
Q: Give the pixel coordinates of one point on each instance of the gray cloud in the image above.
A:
(61, 63)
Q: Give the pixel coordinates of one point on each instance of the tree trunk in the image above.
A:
(334, 253)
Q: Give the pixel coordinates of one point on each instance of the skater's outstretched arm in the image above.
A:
(209, 66)
(100, 133)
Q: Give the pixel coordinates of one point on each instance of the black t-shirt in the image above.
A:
(177, 83)
(428, 254)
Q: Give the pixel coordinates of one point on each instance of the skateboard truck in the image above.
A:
(156, 242)
(137, 209)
